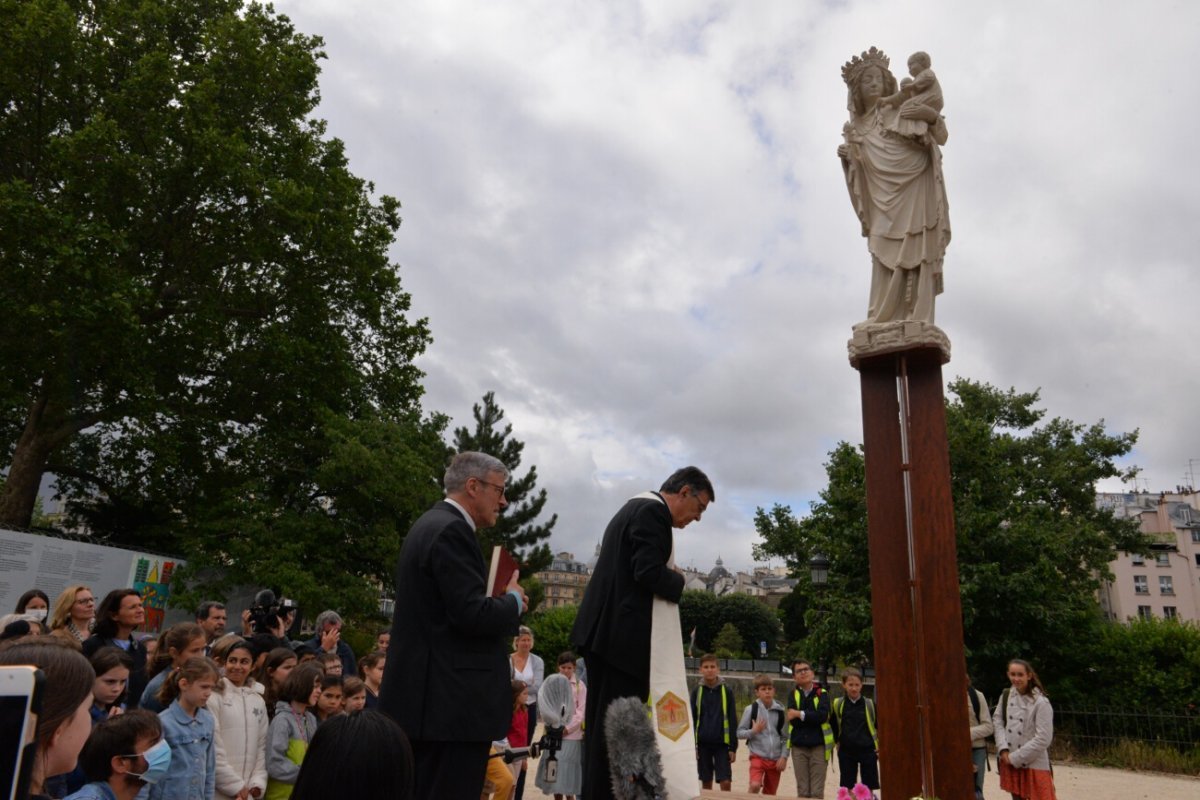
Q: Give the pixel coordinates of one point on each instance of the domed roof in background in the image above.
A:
(718, 571)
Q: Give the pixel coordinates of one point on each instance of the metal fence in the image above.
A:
(1089, 728)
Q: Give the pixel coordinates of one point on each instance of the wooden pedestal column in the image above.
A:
(920, 683)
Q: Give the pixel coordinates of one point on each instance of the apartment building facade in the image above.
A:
(1166, 583)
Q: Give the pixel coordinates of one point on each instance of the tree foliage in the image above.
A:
(728, 642)
(707, 613)
(515, 529)
(331, 540)
(792, 611)
(835, 620)
(1032, 545)
(552, 632)
(201, 330)
(1147, 663)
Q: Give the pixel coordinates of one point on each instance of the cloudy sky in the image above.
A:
(628, 219)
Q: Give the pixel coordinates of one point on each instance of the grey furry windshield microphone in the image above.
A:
(633, 758)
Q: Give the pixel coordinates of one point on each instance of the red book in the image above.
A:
(501, 571)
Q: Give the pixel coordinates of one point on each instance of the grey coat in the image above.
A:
(1029, 730)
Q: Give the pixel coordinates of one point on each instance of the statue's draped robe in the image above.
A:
(898, 192)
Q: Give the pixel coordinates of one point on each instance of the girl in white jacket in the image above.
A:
(1024, 728)
(241, 728)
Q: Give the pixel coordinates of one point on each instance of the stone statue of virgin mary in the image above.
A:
(897, 190)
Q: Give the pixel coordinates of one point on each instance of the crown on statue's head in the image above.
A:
(853, 68)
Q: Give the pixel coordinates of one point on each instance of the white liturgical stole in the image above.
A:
(669, 709)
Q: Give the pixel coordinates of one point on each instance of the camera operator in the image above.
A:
(328, 639)
(269, 615)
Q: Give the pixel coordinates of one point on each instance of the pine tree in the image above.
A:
(514, 530)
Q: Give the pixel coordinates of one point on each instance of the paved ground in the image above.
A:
(1071, 783)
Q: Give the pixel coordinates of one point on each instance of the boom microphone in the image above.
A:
(556, 701)
(635, 765)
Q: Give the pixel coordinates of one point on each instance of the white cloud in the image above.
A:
(629, 221)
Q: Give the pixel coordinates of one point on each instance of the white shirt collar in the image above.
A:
(458, 505)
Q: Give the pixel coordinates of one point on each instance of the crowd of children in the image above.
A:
(813, 725)
(805, 730)
(237, 716)
(234, 724)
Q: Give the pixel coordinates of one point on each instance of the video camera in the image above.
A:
(268, 611)
(556, 702)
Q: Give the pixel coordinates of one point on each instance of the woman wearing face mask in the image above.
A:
(64, 723)
(241, 715)
(34, 605)
(123, 755)
(74, 611)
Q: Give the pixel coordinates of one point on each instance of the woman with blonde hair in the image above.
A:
(71, 619)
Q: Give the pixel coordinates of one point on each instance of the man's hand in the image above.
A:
(759, 725)
(795, 713)
(781, 764)
(513, 585)
(732, 756)
(247, 628)
(329, 639)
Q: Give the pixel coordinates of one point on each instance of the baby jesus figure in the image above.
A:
(921, 89)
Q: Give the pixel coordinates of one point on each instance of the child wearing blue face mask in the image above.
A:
(122, 755)
(190, 730)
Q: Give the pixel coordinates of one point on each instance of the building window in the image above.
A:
(1144, 612)
(1141, 585)
(1198, 559)
(1162, 559)
(1165, 585)
(1169, 612)
(1196, 535)
(1137, 560)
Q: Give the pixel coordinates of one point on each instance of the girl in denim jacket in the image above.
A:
(189, 728)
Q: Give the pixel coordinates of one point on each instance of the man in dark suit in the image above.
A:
(446, 680)
(612, 628)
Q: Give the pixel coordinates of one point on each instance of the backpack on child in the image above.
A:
(778, 722)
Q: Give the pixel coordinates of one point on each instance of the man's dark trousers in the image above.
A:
(606, 684)
(449, 770)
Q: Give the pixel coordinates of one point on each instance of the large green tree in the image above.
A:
(754, 621)
(198, 310)
(1032, 545)
(330, 538)
(515, 530)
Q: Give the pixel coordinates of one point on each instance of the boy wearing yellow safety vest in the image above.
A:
(811, 738)
(714, 717)
(853, 723)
